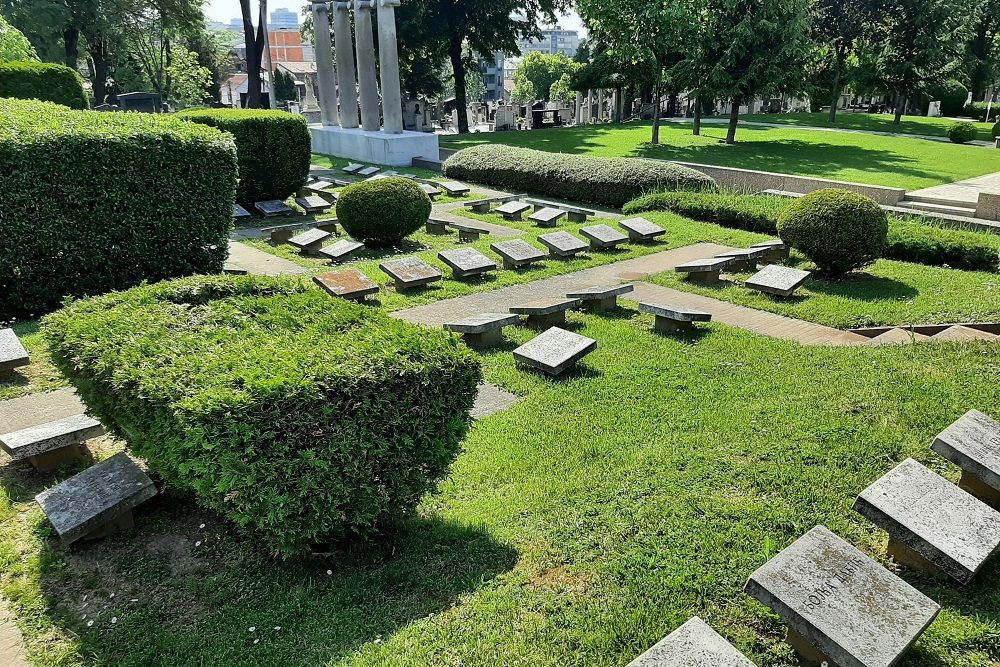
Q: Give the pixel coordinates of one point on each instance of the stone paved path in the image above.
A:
(962, 192)
(11, 642)
(260, 263)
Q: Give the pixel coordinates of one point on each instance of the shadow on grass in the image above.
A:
(863, 287)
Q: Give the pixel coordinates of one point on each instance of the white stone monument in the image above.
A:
(380, 138)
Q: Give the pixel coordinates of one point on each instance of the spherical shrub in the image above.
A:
(383, 212)
(838, 230)
(962, 132)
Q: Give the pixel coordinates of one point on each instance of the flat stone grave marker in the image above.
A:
(694, 644)
(932, 524)
(410, 272)
(468, 231)
(554, 350)
(744, 259)
(379, 177)
(348, 284)
(98, 500)
(341, 249)
(517, 253)
(562, 244)
(544, 313)
(49, 445)
(513, 210)
(600, 297)
(454, 188)
(309, 242)
(466, 262)
(313, 204)
(319, 186)
(547, 217)
(272, 207)
(479, 205)
(603, 237)
(483, 330)
(430, 190)
(353, 168)
(573, 213)
(239, 212)
(972, 443)
(437, 227)
(839, 604)
(704, 270)
(641, 230)
(282, 233)
(329, 225)
(778, 280)
(669, 319)
(777, 250)
(12, 352)
(368, 171)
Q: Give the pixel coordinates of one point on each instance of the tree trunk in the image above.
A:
(656, 103)
(252, 40)
(99, 80)
(71, 42)
(734, 119)
(900, 104)
(835, 95)
(980, 47)
(697, 116)
(458, 67)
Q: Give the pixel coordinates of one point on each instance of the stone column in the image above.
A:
(600, 105)
(345, 65)
(325, 74)
(388, 57)
(364, 44)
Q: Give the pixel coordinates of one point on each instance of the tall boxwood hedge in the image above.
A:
(91, 202)
(304, 418)
(30, 80)
(590, 180)
(274, 150)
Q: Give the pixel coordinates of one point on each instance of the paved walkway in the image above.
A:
(260, 263)
(11, 642)
(962, 192)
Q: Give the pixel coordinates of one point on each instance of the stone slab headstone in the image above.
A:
(348, 284)
(554, 350)
(313, 204)
(310, 241)
(273, 207)
(778, 280)
(367, 171)
(517, 253)
(972, 443)
(353, 168)
(513, 210)
(547, 217)
(454, 188)
(436, 227)
(839, 604)
(466, 262)
(239, 212)
(341, 249)
(410, 272)
(704, 270)
(669, 319)
(40, 444)
(600, 297)
(483, 330)
(430, 190)
(562, 244)
(694, 644)
(479, 205)
(469, 231)
(603, 237)
(931, 521)
(545, 313)
(776, 250)
(12, 352)
(641, 230)
(744, 259)
(319, 186)
(84, 504)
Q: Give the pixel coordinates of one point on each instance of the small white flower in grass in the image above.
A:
(83, 618)
(253, 628)
(329, 572)
(111, 596)
(201, 526)
(277, 627)
(134, 600)
(114, 619)
(198, 543)
(90, 623)
(84, 598)
(256, 641)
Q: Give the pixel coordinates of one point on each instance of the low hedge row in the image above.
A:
(274, 150)
(30, 80)
(908, 241)
(303, 418)
(590, 180)
(92, 202)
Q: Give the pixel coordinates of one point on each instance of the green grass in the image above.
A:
(935, 127)
(902, 162)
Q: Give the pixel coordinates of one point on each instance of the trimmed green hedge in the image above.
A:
(961, 132)
(915, 242)
(305, 418)
(590, 180)
(274, 150)
(92, 202)
(384, 211)
(49, 82)
(754, 213)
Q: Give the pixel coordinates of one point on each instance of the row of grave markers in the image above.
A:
(772, 279)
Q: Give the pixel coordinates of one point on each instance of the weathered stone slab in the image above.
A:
(600, 297)
(469, 231)
(430, 190)
(313, 204)
(347, 284)
(704, 270)
(12, 352)
(744, 259)
(777, 250)
(368, 171)
(273, 207)
(101, 494)
(778, 280)
(309, 242)
(341, 249)
(547, 217)
(574, 213)
(410, 272)
(44, 438)
(931, 521)
(319, 186)
(562, 244)
(239, 212)
(281, 233)
(513, 210)
(545, 313)
(231, 269)
(454, 188)
(465, 262)
(839, 604)
(669, 319)
(972, 443)
(483, 330)
(436, 227)
(554, 350)
(603, 237)
(353, 168)
(641, 230)
(517, 253)
(694, 644)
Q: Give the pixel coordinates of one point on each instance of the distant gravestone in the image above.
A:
(272, 208)
(454, 188)
(353, 168)
(840, 605)
(600, 297)
(547, 217)
(479, 205)
(778, 280)
(309, 242)
(973, 444)
(313, 204)
(12, 352)
(704, 270)
(776, 250)
(347, 284)
(744, 259)
(513, 210)
(641, 230)
(694, 644)
(437, 227)
(573, 213)
(669, 319)
(430, 190)
(932, 524)
(49, 445)
(545, 313)
(410, 272)
(98, 500)
(484, 330)
(555, 350)
(367, 171)
(341, 249)
(517, 253)
(319, 186)
(469, 231)
(239, 212)
(282, 233)
(466, 262)
(603, 237)
(562, 244)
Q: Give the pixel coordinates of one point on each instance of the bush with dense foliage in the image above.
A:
(961, 132)
(952, 95)
(49, 82)
(273, 147)
(838, 230)
(384, 211)
(304, 418)
(754, 213)
(13, 44)
(914, 242)
(92, 202)
(590, 180)
(977, 110)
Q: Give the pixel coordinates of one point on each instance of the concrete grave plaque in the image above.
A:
(319, 186)
(517, 253)
(777, 250)
(554, 350)
(272, 208)
(547, 217)
(367, 171)
(931, 522)
(348, 284)
(436, 227)
(239, 212)
(973, 444)
(694, 644)
(409, 272)
(513, 210)
(281, 233)
(839, 604)
(641, 230)
(602, 237)
(744, 259)
(43, 444)
(669, 319)
(484, 330)
(479, 205)
(562, 244)
(454, 188)
(101, 497)
(430, 190)
(353, 168)
(313, 204)
(778, 280)
(341, 249)
(12, 352)
(545, 313)
(704, 270)
(309, 242)
(465, 262)
(469, 231)
(600, 297)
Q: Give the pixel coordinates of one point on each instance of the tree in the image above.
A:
(981, 52)
(190, 81)
(562, 90)
(284, 86)
(254, 40)
(13, 44)
(524, 90)
(544, 69)
(838, 28)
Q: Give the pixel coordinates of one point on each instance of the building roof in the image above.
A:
(297, 67)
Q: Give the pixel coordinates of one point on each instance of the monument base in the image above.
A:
(397, 150)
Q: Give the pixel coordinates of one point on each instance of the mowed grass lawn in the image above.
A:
(901, 162)
(935, 127)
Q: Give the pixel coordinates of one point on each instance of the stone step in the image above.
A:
(941, 201)
(951, 209)
(961, 333)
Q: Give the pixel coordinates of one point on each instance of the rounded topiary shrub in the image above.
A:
(838, 230)
(383, 211)
(48, 82)
(962, 132)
